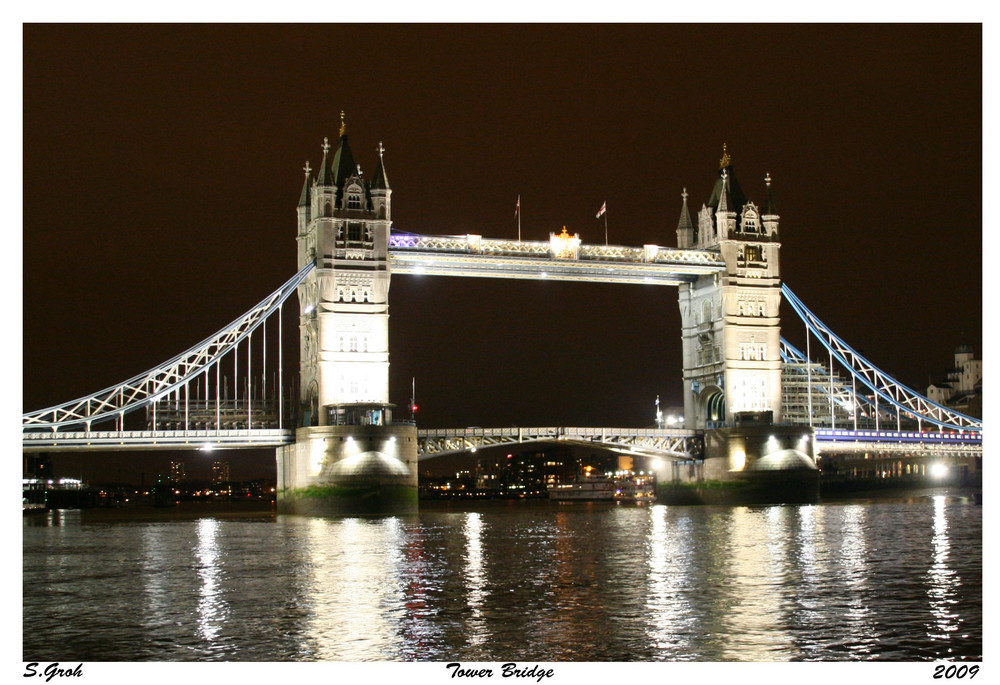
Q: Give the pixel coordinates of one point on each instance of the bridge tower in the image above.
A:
(731, 331)
(730, 321)
(349, 455)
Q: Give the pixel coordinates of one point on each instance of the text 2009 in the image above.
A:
(953, 671)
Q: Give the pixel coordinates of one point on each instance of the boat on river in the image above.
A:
(590, 489)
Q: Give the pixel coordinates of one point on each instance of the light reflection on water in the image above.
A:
(859, 635)
(211, 605)
(941, 578)
(512, 581)
(475, 579)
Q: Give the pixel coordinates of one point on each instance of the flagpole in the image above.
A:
(605, 228)
(518, 218)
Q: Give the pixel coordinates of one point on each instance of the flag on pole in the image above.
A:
(602, 210)
(517, 208)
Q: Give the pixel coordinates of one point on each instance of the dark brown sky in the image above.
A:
(162, 165)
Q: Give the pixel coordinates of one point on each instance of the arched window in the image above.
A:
(749, 221)
(353, 197)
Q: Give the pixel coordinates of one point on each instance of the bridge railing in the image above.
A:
(476, 244)
(553, 431)
(675, 442)
(156, 439)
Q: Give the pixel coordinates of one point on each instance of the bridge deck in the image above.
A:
(903, 442)
(471, 255)
(666, 442)
(105, 441)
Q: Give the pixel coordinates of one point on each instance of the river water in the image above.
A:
(896, 579)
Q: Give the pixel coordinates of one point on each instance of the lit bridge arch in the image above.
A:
(664, 443)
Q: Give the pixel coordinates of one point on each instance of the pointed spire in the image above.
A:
(724, 197)
(685, 221)
(380, 181)
(304, 197)
(768, 209)
(325, 176)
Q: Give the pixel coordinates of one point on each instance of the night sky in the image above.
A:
(163, 164)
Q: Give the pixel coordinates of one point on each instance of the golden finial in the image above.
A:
(726, 159)
(564, 234)
(343, 124)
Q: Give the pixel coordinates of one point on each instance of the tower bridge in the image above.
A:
(339, 448)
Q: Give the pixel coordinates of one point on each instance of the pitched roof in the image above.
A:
(736, 199)
(343, 162)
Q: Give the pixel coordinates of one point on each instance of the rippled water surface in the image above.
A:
(893, 580)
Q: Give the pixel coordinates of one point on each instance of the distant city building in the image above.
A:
(177, 472)
(962, 388)
(220, 472)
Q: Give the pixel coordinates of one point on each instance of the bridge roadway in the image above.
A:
(666, 443)
(661, 442)
(910, 443)
(562, 258)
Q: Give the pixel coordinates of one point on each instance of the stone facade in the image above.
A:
(349, 457)
(730, 321)
(344, 222)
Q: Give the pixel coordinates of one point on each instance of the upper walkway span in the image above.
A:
(562, 258)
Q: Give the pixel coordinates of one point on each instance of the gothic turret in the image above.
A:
(769, 215)
(325, 176)
(685, 229)
(304, 201)
(725, 215)
(380, 190)
(323, 189)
